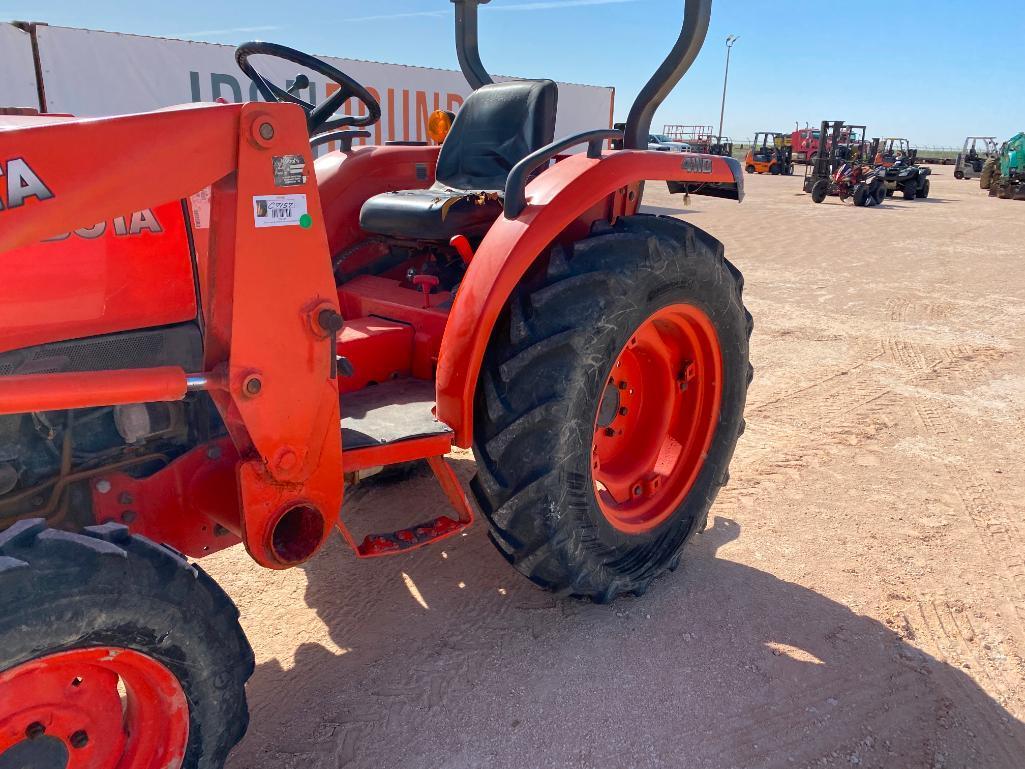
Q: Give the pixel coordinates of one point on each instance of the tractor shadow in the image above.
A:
(679, 210)
(446, 658)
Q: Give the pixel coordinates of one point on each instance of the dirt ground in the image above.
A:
(857, 600)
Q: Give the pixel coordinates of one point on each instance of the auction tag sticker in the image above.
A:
(279, 210)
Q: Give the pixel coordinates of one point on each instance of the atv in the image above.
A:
(208, 338)
(911, 180)
(861, 183)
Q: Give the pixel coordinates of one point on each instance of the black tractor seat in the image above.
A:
(497, 126)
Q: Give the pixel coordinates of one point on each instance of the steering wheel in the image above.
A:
(318, 118)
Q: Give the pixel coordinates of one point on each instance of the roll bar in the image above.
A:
(467, 47)
(692, 36)
(638, 125)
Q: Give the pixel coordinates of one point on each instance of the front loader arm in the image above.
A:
(268, 290)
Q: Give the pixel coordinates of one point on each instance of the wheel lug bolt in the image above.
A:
(79, 739)
(623, 385)
(610, 432)
(638, 490)
(623, 411)
(35, 729)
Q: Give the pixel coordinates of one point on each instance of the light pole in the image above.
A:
(730, 40)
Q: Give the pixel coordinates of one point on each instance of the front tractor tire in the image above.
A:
(115, 653)
(610, 403)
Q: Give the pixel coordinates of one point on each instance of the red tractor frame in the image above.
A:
(205, 334)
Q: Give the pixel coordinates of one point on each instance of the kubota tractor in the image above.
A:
(205, 334)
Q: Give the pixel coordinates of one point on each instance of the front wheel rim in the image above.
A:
(656, 418)
(93, 708)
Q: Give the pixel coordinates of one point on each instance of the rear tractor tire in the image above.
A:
(115, 652)
(819, 190)
(610, 402)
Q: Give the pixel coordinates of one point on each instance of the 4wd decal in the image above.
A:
(697, 165)
(22, 183)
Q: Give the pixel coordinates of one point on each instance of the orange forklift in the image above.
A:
(770, 153)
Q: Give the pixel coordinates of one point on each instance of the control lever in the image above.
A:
(332, 322)
(426, 283)
(301, 82)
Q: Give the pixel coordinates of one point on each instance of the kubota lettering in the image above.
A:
(22, 183)
(140, 221)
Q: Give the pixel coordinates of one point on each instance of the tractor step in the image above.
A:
(394, 422)
(401, 540)
(390, 412)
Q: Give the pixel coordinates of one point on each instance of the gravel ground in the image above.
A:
(858, 598)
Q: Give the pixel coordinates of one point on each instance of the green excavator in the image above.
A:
(1006, 177)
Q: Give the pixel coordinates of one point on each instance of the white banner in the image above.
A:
(90, 73)
(17, 69)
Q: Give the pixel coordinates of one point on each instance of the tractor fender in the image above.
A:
(555, 200)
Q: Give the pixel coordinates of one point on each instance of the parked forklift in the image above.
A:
(770, 153)
(973, 156)
(840, 167)
(176, 379)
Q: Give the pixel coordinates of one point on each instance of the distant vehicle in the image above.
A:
(903, 175)
(770, 153)
(890, 148)
(804, 143)
(1008, 178)
(973, 155)
(663, 143)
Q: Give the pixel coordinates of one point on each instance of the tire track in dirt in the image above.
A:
(945, 629)
(963, 366)
(998, 533)
(834, 415)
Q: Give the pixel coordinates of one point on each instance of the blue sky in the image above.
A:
(931, 70)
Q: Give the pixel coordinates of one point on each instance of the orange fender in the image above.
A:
(555, 199)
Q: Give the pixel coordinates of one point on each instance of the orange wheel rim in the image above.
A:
(656, 418)
(94, 708)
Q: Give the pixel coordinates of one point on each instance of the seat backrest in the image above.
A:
(497, 126)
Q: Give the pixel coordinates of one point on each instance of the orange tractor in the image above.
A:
(207, 335)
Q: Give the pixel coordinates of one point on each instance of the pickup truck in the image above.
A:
(663, 143)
